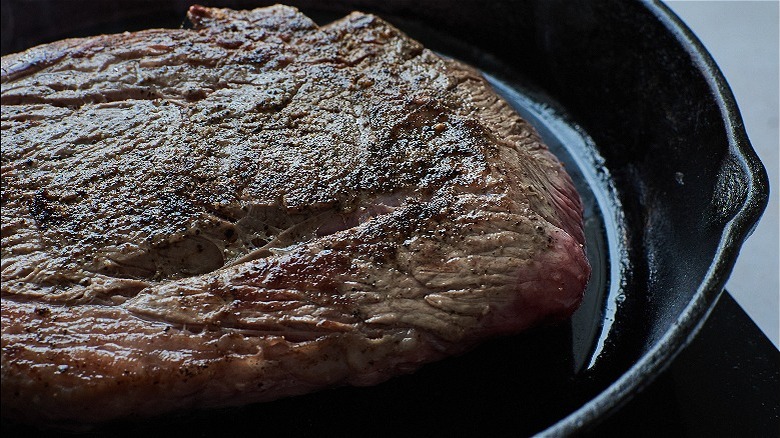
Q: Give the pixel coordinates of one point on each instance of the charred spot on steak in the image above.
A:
(260, 207)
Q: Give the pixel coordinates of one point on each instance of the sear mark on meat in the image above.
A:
(261, 207)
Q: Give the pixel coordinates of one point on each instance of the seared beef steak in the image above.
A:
(261, 207)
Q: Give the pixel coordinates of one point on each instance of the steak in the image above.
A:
(259, 207)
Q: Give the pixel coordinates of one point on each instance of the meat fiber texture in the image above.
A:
(260, 207)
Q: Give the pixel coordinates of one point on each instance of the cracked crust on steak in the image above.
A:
(260, 207)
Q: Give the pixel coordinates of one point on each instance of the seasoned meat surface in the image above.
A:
(260, 207)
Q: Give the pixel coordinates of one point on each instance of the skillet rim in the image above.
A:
(742, 223)
(735, 232)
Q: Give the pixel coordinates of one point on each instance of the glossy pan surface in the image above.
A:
(635, 107)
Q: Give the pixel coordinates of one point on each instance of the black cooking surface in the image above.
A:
(725, 383)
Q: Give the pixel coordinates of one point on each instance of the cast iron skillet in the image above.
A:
(631, 101)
